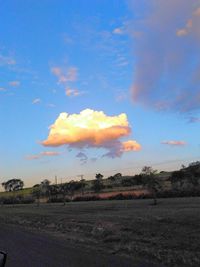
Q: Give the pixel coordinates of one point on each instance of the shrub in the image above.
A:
(57, 200)
(87, 198)
(17, 200)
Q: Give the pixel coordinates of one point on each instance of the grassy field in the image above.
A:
(23, 192)
(168, 233)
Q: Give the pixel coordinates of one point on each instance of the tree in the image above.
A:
(71, 187)
(53, 191)
(63, 191)
(45, 187)
(13, 185)
(98, 183)
(177, 179)
(151, 181)
(117, 175)
(192, 173)
(36, 193)
(42, 189)
(99, 176)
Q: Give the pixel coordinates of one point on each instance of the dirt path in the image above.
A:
(30, 249)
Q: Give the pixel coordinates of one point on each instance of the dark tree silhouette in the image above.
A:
(150, 181)
(36, 193)
(98, 183)
(13, 185)
(99, 176)
(45, 188)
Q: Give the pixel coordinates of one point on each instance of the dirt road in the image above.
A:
(31, 249)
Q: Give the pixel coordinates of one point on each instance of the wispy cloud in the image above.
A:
(121, 96)
(118, 31)
(36, 101)
(82, 157)
(14, 83)
(43, 154)
(65, 75)
(167, 68)
(92, 129)
(193, 119)
(6, 60)
(73, 92)
(50, 105)
(174, 143)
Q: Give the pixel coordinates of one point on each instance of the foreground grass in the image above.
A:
(168, 233)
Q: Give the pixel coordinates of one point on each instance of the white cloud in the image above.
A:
(36, 101)
(118, 31)
(92, 129)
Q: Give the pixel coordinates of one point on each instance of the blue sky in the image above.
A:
(118, 57)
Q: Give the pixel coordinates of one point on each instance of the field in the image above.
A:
(167, 234)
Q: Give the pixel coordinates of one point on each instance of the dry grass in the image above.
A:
(168, 233)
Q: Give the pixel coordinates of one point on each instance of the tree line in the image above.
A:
(185, 178)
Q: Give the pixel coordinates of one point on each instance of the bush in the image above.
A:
(87, 198)
(17, 200)
(58, 200)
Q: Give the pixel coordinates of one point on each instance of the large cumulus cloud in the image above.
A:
(167, 47)
(92, 129)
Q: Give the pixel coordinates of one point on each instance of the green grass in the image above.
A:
(23, 192)
(168, 233)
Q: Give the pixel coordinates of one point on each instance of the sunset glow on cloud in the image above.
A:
(174, 143)
(166, 74)
(43, 154)
(92, 129)
(65, 74)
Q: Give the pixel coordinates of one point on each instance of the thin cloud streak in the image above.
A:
(14, 83)
(174, 143)
(36, 101)
(43, 154)
(194, 119)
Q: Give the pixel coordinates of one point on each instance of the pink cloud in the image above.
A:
(65, 75)
(166, 52)
(118, 31)
(14, 83)
(174, 143)
(72, 92)
(43, 154)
